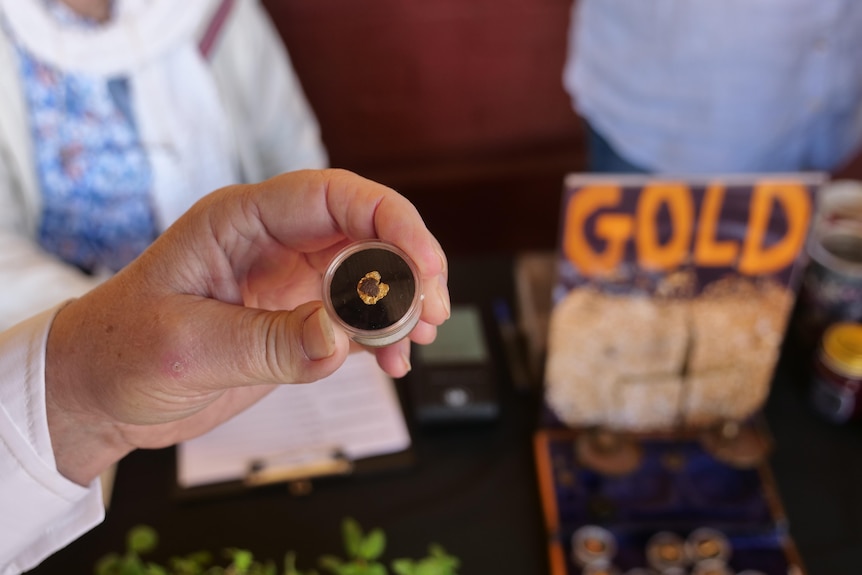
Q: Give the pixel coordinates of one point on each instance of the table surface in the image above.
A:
(472, 488)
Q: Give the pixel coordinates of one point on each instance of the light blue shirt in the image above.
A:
(93, 171)
(720, 85)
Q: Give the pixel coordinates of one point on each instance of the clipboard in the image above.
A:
(349, 423)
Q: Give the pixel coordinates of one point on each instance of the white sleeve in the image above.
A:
(275, 125)
(40, 510)
(34, 280)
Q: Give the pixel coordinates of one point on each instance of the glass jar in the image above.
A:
(837, 377)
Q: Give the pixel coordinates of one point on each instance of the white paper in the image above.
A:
(356, 410)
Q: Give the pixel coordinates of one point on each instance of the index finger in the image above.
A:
(329, 208)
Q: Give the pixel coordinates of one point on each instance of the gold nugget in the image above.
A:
(370, 289)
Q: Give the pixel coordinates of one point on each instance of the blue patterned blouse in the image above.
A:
(92, 169)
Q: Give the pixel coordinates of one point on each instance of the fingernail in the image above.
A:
(443, 292)
(444, 265)
(405, 357)
(318, 336)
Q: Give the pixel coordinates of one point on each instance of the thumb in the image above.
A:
(302, 345)
(166, 359)
(260, 346)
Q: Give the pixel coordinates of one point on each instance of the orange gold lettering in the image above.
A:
(614, 229)
(793, 198)
(707, 250)
(673, 252)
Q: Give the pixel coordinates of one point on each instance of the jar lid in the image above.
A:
(842, 348)
(374, 291)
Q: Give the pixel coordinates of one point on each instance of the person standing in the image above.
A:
(696, 86)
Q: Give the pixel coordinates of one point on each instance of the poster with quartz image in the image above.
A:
(672, 296)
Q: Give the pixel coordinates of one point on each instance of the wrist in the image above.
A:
(85, 442)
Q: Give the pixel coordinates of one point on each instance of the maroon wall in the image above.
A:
(458, 104)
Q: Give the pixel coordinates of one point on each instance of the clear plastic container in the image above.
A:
(373, 290)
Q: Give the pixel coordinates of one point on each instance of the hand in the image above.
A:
(222, 307)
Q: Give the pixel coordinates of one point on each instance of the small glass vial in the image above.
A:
(593, 545)
(706, 543)
(373, 290)
(837, 381)
(665, 551)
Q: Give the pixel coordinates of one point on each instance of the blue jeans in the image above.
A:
(601, 157)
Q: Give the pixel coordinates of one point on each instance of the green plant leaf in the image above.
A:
(352, 537)
(355, 569)
(155, 569)
(439, 554)
(373, 545)
(130, 564)
(202, 558)
(330, 563)
(363, 554)
(185, 566)
(290, 564)
(438, 562)
(242, 560)
(108, 564)
(403, 567)
(290, 567)
(142, 539)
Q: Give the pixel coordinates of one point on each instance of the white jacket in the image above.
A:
(40, 510)
(268, 123)
(271, 129)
